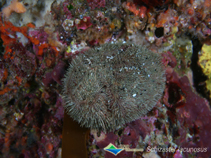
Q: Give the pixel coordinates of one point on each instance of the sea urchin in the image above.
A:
(111, 85)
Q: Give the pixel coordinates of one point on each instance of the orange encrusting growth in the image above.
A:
(49, 147)
(45, 45)
(18, 79)
(8, 35)
(15, 6)
(5, 74)
(138, 11)
(8, 28)
(5, 90)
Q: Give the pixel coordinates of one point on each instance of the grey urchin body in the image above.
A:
(111, 85)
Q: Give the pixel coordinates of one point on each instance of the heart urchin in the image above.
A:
(114, 84)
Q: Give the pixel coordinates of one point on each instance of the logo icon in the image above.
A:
(112, 149)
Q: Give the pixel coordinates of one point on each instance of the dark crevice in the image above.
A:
(1, 47)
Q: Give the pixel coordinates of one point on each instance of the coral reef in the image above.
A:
(40, 38)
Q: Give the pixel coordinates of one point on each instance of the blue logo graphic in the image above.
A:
(112, 149)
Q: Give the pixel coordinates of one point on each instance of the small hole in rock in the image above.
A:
(159, 32)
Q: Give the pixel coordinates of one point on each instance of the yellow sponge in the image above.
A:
(205, 63)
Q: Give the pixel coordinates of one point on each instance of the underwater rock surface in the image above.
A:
(39, 38)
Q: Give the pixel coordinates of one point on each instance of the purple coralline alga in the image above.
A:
(192, 116)
(93, 4)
